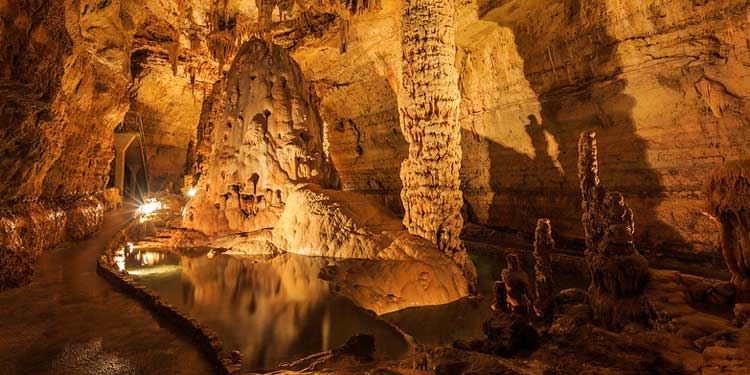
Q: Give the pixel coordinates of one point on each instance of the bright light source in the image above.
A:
(191, 192)
(149, 207)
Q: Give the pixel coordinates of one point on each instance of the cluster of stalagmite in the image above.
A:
(266, 138)
(728, 195)
(428, 108)
(618, 271)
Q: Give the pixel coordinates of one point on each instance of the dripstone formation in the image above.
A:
(544, 244)
(728, 195)
(266, 138)
(618, 271)
(428, 104)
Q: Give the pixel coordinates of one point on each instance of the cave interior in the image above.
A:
(391, 187)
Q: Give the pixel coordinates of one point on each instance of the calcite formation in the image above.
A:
(266, 138)
(618, 271)
(517, 286)
(428, 104)
(728, 200)
(544, 288)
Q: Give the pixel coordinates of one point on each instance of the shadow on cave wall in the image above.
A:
(526, 188)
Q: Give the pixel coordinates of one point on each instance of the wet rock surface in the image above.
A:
(71, 321)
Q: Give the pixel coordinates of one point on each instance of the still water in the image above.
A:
(272, 309)
(275, 309)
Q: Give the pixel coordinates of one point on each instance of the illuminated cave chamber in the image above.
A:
(484, 186)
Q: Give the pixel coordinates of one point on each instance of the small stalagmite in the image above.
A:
(618, 271)
(517, 286)
(728, 198)
(543, 285)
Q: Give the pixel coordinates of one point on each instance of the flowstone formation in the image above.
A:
(266, 139)
(728, 196)
(428, 104)
(618, 271)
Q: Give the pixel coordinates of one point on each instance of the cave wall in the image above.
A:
(63, 89)
(661, 82)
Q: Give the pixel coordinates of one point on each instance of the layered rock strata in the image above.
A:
(428, 104)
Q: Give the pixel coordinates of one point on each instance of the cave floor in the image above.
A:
(71, 321)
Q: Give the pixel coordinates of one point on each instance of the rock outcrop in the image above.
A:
(429, 101)
(266, 138)
(63, 88)
(618, 271)
(728, 198)
(636, 72)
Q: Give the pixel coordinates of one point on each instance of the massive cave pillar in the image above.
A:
(428, 103)
(728, 198)
(618, 271)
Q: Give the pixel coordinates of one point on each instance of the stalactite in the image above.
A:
(221, 44)
(728, 198)
(618, 271)
(543, 285)
(429, 108)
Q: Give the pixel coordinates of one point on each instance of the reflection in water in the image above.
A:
(272, 309)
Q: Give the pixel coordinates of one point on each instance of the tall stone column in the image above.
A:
(428, 103)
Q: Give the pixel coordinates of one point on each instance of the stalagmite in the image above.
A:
(728, 198)
(517, 286)
(618, 271)
(543, 285)
(265, 136)
(429, 107)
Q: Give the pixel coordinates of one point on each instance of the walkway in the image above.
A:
(71, 321)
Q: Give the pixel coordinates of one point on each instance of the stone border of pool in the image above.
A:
(206, 339)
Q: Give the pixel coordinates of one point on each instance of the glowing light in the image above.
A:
(130, 247)
(149, 207)
(191, 192)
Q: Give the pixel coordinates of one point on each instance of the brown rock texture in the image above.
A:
(544, 287)
(636, 72)
(618, 271)
(428, 105)
(63, 88)
(728, 198)
(266, 138)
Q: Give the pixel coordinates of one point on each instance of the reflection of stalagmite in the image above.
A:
(429, 107)
(543, 286)
(618, 271)
(728, 195)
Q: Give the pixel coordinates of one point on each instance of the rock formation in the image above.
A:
(429, 107)
(544, 288)
(266, 138)
(63, 89)
(728, 198)
(618, 271)
(517, 287)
